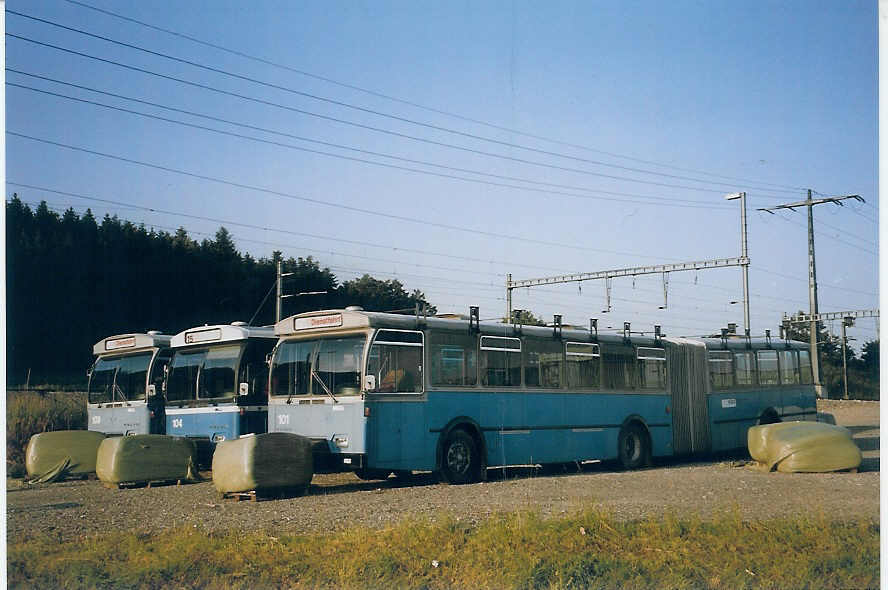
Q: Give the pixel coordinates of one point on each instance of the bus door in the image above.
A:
(397, 424)
(688, 385)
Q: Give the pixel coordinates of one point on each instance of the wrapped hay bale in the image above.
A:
(51, 456)
(276, 461)
(146, 458)
(809, 447)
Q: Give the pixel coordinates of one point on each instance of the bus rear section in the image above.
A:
(124, 389)
(215, 387)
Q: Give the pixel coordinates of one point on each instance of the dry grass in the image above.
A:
(520, 550)
(29, 413)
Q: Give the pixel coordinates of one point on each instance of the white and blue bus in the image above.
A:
(216, 383)
(123, 394)
(383, 393)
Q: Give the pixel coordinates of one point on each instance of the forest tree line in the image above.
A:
(72, 280)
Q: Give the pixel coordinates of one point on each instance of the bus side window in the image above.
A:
(651, 368)
(582, 365)
(767, 367)
(805, 367)
(721, 369)
(396, 361)
(500, 361)
(789, 367)
(542, 363)
(453, 358)
(744, 366)
(620, 367)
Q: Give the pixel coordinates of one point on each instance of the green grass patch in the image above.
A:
(520, 550)
(31, 412)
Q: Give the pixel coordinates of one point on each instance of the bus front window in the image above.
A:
(318, 367)
(119, 379)
(217, 374)
(101, 380)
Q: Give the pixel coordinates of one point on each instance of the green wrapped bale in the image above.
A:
(266, 463)
(51, 456)
(146, 458)
(807, 447)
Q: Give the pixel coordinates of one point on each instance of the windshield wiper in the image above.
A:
(116, 389)
(324, 386)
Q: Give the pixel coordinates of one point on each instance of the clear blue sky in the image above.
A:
(657, 109)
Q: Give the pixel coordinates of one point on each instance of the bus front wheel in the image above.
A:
(634, 448)
(460, 461)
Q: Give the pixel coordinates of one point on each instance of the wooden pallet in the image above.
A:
(269, 494)
(127, 485)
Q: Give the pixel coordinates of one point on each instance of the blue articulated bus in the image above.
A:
(125, 382)
(383, 393)
(216, 384)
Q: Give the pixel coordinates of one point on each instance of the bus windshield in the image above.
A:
(207, 373)
(119, 379)
(329, 366)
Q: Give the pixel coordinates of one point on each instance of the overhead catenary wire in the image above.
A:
(356, 124)
(233, 223)
(412, 103)
(316, 201)
(653, 200)
(401, 119)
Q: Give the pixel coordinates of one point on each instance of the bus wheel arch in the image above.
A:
(459, 437)
(634, 448)
(769, 416)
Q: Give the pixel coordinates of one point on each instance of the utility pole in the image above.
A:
(280, 296)
(664, 269)
(812, 271)
(846, 321)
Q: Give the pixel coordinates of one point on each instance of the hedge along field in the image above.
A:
(517, 550)
(30, 412)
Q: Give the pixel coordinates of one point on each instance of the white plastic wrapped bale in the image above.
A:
(51, 456)
(274, 462)
(808, 447)
(146, 458)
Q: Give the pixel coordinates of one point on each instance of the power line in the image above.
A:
(841, 241)
(667, 201)
(386, 115)
(411, 103)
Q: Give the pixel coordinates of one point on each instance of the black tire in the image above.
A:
(769, 417)
(634, 448)
(460, 459)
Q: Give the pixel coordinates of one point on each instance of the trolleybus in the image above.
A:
(383, 393)
(216, 383)
(123, 394)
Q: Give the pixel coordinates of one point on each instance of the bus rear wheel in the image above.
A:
(634, 448)
(460, 461)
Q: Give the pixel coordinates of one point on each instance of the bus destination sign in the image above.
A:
(118, 343)
(320, 321)
(203, 336)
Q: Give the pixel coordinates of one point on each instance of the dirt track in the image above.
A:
(75, 508)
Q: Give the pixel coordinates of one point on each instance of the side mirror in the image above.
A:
(152, 390)
(268, 359)
(244, 389)
(369, 382)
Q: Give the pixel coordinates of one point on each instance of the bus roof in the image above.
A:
(124, 343)
(337, 320)
(220, 333)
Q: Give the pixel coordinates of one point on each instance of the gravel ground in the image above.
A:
(74, 508)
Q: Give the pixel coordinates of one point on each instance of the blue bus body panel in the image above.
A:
(732, 413)
(124, 421)
(518, 427)
(323, 420)
(214, 422)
